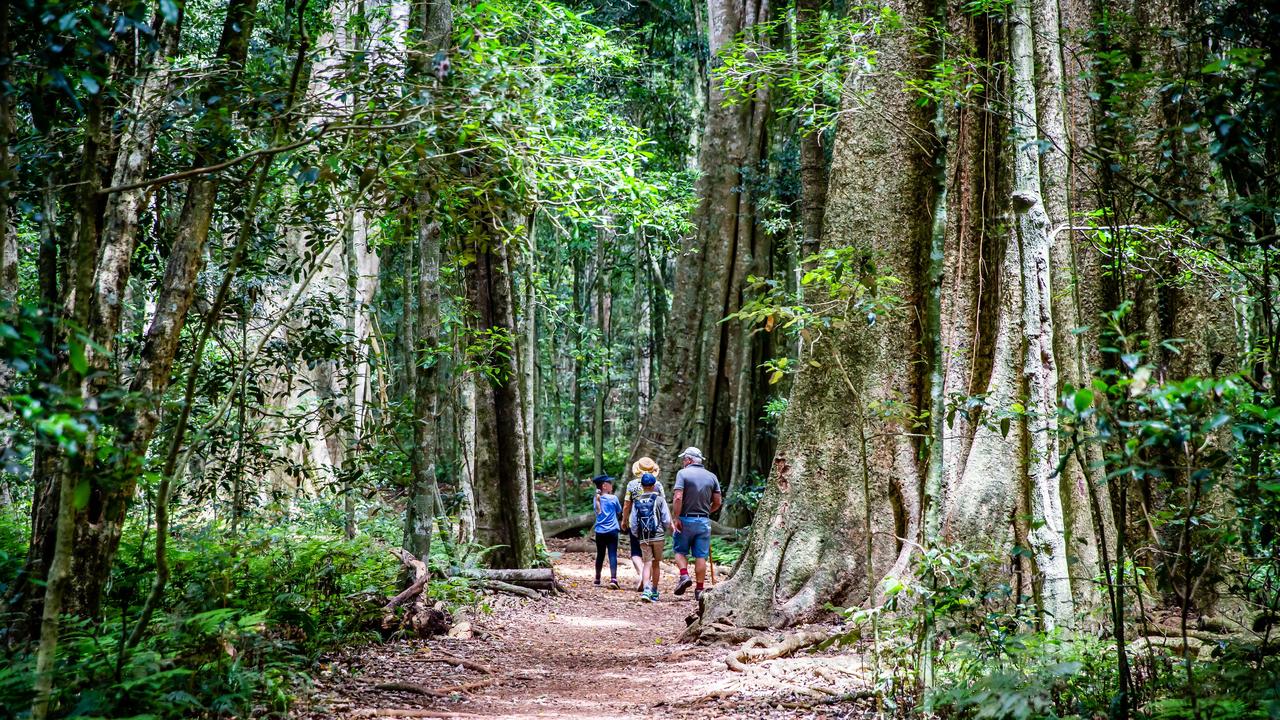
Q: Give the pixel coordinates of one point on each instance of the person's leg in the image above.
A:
(647, 557)
(655, 565)
(700, 546)
(680, 543)
(612, 544)
(637, 559)
(599, 555)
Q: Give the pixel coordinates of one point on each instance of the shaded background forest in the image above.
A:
(971, 306)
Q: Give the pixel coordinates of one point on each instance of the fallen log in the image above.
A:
(510, 589)
(539, 579)
(516, 576)
(416, 618)
(409, 593)
(567, 526)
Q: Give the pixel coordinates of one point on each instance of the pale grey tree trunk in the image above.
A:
(430, 31)
(1086, 508)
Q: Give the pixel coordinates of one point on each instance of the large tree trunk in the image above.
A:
(431, 25)
(697, 399)
(845, 481)
(1047, 534)
(962, 227)
(8, 224)
(504, 504)
(604, 352)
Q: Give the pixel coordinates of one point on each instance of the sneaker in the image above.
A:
(650, 596)
(640, 587)
(685, 583)
(597, 582)
(697, 595)
(613, 584)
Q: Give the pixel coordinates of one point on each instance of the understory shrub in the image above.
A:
(244, 620)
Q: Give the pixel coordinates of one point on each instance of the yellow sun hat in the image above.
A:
(644, 465)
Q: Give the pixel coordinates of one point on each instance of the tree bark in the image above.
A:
(845, 481)
(695, 401)
(431, 26)
(111, 487)
(1047, 534)
(504, 505)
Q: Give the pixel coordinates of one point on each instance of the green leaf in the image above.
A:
(1082, 400)
(76, 356)
(81, 500)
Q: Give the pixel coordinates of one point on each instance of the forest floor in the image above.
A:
(593, 653)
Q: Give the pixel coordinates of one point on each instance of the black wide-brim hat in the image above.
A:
(601, 479)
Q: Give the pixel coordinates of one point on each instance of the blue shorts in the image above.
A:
(696, 535)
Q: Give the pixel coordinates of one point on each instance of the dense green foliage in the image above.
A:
(342, 146)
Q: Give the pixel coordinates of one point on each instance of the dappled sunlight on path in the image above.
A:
(595, 653)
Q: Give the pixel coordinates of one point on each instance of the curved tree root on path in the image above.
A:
(437, 692)
(757, 649)
(438, 655)
(408, 713)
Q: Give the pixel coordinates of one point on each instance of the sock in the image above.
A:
(698, 587)
(684, 572)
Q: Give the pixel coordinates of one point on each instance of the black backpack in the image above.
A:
(647, 525)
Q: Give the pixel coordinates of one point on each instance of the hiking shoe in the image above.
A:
(685, 583)
(597, 582)
(697, 595)
(613, 584)
(650, 596)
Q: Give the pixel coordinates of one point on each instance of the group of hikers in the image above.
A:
(646, 518)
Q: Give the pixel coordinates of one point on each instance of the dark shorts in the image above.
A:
(695, 538)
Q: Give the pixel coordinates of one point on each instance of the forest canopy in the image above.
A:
(318, 317)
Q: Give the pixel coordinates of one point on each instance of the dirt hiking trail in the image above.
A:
(594, 653)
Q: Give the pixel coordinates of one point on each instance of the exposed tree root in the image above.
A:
(437, 692)
(837, 698)
(409, 713)
(721, 631)
(444, 657)
(757, 649)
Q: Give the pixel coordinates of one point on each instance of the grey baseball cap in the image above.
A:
(691, 452)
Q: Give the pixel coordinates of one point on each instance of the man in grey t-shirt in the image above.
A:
(696, 494)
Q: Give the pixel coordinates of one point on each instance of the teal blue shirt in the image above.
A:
(607, 513)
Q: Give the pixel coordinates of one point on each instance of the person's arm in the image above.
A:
(675, 510)
(626, 512)
(715, 502)
(666, 514)
(596, 502)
